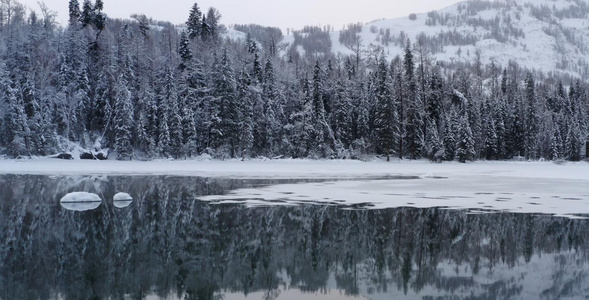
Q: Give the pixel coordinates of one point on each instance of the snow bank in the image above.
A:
(292, 169)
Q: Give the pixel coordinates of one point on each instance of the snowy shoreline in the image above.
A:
(295, 168)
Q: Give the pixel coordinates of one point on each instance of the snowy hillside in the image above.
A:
(147, 89)
(544, 35)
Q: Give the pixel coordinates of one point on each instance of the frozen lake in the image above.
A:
(382, 236)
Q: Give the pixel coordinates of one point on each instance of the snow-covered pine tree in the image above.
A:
(396, 71)
(500, 116)
(195, 93)
(174, 121)
(435, 95)
(259, 133)
(555, 143)
(18, 132)
(414, 135)
(185, 53)
(435, 145)
(87, 13)
(465, 142)
(322, 141)
(491, 140)
(517, 136)
(153, 115)
(176, 129)
(300, 129)
(248, 96)
(342, 121)
(573, 143)
(270, 98)
(189, 132)
(385, 118)
(212, 20)
(163, 142)
(194, 22)
(74, 12)
(228, 109)
(531, 122)
(33, 117)
(123, 121)
(450, 135)
(144, 141)
(257, 72)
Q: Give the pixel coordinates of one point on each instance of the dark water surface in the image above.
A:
(165, 244)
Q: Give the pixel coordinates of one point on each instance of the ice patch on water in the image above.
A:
(122, 200)
(80, 201)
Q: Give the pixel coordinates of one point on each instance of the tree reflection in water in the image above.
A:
(168, 244)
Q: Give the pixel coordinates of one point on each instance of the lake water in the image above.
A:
(165, 244)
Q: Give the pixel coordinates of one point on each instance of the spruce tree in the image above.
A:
(435, 97)
(435, 145)
(18, 132)
(555, 144)
(185, 53)
(490, 147)
(573, 143)
(144, 142)
(322, 140)
(450, 136)
(170, 105)
(500, 117)
(343, 114)
(34, 118)
(248, 95)
(189, 132)
(205, 29)
(87, 13)
(74, 12)
(517, 136)
(212, 20)
(270, 99)
(176, 129)
(257, 72)
(414, 134)
(163, 142)
(531, 130)
(226, 104)
(194, 22)
(465, 143)
(385, 119)
(123, 121)
(301, 129)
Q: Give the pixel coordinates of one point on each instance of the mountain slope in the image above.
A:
(544, 35)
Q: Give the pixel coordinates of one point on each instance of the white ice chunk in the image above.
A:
(80, 201)
(122, 200)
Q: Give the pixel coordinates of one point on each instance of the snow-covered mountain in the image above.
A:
(544, 35)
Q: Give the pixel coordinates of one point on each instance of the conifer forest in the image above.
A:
(147, 89)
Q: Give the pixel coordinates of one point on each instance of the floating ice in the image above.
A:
(80, 201)
(122, 200)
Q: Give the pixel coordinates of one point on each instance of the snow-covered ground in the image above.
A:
(526, 187)
(295, 168)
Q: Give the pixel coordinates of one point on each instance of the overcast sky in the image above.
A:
(280, 13)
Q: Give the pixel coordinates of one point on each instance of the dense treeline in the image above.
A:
(149, 90)
(170, 245)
